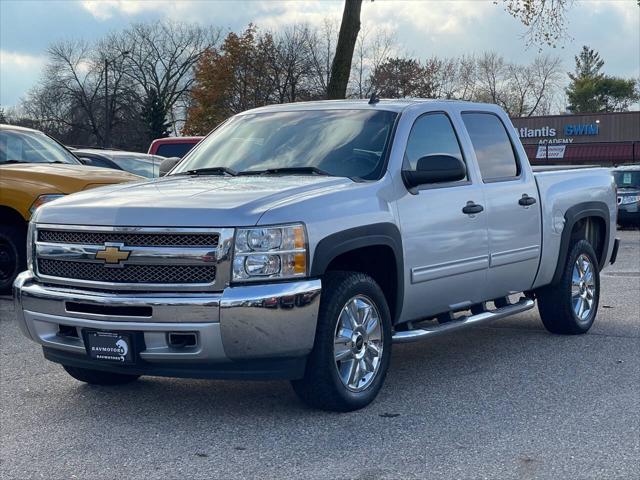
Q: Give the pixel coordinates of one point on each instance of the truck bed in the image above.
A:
(561, 188)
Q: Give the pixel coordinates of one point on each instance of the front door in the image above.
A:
(446, 250)
(512, 206)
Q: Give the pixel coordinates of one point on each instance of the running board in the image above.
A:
(422, 333)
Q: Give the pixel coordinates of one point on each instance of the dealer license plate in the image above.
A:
(110, 346)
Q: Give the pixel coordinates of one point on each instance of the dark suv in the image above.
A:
(628, 182)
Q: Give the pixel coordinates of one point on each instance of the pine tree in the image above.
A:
(588, 65)
(591, 90)
(154, 116)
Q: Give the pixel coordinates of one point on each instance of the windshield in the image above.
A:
(144, 166)
(628, 179)
(345, 143)
(32, 147)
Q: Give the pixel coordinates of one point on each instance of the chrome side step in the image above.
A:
(421, 333)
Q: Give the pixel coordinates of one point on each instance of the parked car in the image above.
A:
(141, 164)
(34, 170)
(300, 241)
(173, 146)
(628, 182)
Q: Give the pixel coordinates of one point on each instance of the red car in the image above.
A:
(173, 146)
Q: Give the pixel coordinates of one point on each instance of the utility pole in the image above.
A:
(105, 138)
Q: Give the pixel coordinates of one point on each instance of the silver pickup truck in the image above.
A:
(301, 241)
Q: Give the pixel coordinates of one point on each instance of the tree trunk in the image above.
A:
(341, 67)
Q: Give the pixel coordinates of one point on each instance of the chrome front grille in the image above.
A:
(132, 258)
(162, 274)
(130, 239)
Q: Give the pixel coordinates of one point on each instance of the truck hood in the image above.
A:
(183, 201)
(64, 178)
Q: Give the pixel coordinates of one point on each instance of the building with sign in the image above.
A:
(594, 138)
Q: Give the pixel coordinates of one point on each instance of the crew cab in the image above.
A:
(34, 170)
(301, 241)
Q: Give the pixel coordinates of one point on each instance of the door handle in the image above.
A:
(526, 200)
(470, 208)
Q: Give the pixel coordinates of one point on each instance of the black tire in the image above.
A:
(555, 302)
(97, 377)
(321, 386)
(13, 255)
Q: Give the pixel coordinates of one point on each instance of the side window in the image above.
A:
(431, 134)
(493, 148)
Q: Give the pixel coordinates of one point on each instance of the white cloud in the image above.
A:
(14, 68)
(20, 61)
(106, 9)
(423, 28)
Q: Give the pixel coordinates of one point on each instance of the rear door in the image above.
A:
(446, 250)
(512, 205)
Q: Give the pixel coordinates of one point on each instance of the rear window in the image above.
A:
(494, 151)
(627, 179)
(174, 149)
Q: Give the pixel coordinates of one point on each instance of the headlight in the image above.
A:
(629, 199)
(278, 252)
(42, 199)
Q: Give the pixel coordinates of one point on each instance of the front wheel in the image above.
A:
(350, 358)
(570, 306)
(12, 255)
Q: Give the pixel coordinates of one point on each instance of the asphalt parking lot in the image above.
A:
(504, 401)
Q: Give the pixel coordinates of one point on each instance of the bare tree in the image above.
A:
(161, 57)
(290, 62)
(72, 81)
(371, 51)
(545, 20)
(547, 73)
(321, 47)
(491, 70)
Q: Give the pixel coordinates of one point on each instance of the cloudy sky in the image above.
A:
(424, 28)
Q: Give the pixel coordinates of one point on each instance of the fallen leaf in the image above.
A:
(389, 415)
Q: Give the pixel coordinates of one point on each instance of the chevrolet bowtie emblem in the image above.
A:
(112, 255)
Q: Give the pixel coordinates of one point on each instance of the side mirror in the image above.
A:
(436, 168)
(167, 164)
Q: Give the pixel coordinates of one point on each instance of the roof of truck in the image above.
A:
(395, 105)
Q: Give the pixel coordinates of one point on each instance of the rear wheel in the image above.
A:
(97, 377)
(12, 255)
(570, 306)
(350, 358)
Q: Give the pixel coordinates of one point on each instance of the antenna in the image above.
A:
(374, 99)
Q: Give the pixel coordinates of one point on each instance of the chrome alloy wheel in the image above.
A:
(583, 287)
(358, 343)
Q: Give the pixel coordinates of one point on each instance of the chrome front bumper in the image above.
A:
(252, 322)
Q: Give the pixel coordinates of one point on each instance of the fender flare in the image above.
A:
(377, 234)
(572, 216)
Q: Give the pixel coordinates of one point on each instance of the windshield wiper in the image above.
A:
(268, 171)
(210, 171)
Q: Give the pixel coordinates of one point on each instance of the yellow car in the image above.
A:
(35, 169)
